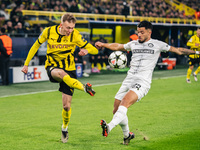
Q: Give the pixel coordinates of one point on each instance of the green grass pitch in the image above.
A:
(168, 116)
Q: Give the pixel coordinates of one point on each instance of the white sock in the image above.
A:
(118, 117)
(64, 129)
(125, 127)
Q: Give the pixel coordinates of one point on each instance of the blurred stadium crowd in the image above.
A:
(15, 22)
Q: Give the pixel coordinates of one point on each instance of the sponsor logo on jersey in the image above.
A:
(58, 46)
(149, 51)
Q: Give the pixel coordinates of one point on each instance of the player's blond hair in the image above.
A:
(68, 17)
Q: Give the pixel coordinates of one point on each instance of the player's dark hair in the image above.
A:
(68, 17)
(198, 28)
(145, 24)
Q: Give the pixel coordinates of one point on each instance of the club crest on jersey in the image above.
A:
(137, 44)
(83, 39)
(150, 45)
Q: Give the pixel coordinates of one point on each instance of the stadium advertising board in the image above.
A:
(79, 70)
(35, 73)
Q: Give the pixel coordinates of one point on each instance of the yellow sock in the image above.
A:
(197, 71)
(189, 71)
(99, 66)
(73, 83)
(66, 118)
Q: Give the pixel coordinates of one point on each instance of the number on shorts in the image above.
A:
(137, 86)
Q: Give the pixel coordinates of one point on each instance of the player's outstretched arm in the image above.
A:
(25, 69)
(42, 38)
(182, 51)
(31, 53)
(90, 49)
(111, 46)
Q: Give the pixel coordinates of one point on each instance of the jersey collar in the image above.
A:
(57, 30)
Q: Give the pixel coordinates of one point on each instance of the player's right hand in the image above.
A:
(25, 69)
(99, 44)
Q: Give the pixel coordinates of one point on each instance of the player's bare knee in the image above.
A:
(66, 107)
(126, 102)
(191, 67)
(62, 73)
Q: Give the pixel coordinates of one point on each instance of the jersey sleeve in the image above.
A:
(127, 46)
(164, 46)
(82, 43)
(91, 49)
(44, 35)
(41, 39)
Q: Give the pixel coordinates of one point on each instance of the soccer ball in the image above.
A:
(117, 59)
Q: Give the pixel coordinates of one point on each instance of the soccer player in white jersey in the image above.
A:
(145, 53)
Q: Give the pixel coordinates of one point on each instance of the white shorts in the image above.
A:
(135, 84)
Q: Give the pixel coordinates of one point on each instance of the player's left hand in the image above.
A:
(83, 52)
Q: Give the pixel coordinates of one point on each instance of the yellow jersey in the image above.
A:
(191, 43)
(60, 48)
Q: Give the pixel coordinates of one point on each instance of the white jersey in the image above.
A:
(144, 57)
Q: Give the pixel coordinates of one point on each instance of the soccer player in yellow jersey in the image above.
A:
(194, 44)
(62, 41)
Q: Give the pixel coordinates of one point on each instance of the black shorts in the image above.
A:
(63, 86)
(192, 61)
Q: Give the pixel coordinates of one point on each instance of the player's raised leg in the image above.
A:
(117, 118)
(88, 89)
(105, 128)
(74, 83)
(61, 75)
(129, 99)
